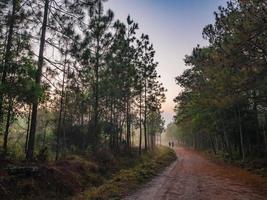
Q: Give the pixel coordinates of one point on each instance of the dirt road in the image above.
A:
(193, 177)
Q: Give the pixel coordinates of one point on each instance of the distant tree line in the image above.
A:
(223, 104)
(73, 79)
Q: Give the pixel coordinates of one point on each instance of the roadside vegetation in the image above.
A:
(77, 177)
(93, 85)
(126, 181)
(80, 97)
(222, 107)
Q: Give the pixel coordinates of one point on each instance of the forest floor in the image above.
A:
(194, 177)
(82, 177)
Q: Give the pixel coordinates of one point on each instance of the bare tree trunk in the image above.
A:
(9, 112)
(265, 136)
(128, 125)
(119, 137)
(149, 141)
(96, 106)
(145, 117)
(64, 124)
(28, 129)
(241, 135)
(112, 124)
(212, 144)
(59, 127)
(227, 143)
(30, 150)
(44, 138)
(96, 87)
(140, 124)
(8, 55)
(257, 126)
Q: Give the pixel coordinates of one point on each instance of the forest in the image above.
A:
(75, 80)
(223, 107)
(80, 100)
(83, 100)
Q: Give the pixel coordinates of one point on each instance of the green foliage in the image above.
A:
(130, 179)
(172, 131)
(89, 74)
(66, 178)
(224, 89)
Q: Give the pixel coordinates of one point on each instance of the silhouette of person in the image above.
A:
(169, 144)
(172, 144)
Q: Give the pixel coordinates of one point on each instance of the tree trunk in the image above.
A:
(44, 138)
(8, 55)
(227, 143)
(64, 125)
(111, 134)
(9, 112)
(96, 85)
(257, 126)
(241, 135)
(265, 135)
(128, 124)
(145, 118)
(140, 124)
(96, 103)
(28, 129)
(212, 144)
(30, 150)
(59, 126)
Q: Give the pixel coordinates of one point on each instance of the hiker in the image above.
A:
(169, 144)
(172, 144)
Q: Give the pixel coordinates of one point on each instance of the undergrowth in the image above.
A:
(256, 165)
(103, 175)
(128, 180)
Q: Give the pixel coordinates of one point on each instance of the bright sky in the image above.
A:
(175, 28)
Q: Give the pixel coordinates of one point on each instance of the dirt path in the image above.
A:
(193, 177)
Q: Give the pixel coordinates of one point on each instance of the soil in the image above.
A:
(194, 177)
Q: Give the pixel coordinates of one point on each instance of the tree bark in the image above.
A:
(9, 112)
(44, 136)
(265, 135)
(145, 116)
(212, 144)
(59, 127)
(30, 150)
(96, 85)
(28, 129)
(241, 135)
(227, 143)
(140, 124)
(8, 56)
(128, 124)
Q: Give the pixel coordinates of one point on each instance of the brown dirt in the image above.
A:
(193, 177)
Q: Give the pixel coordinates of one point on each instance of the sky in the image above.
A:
(175, 28)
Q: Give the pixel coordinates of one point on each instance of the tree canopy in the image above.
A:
(92, 84)
(223, 103)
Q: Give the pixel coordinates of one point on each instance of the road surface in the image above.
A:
(193, 177)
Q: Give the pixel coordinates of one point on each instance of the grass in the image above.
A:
(128, 180)
(53, 181)
(106, 176)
